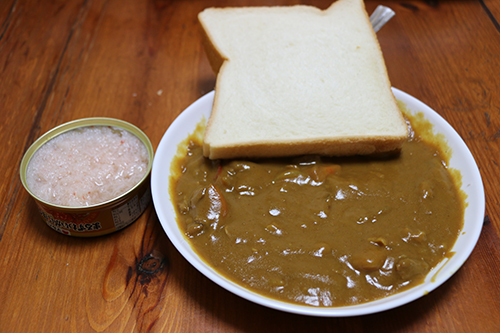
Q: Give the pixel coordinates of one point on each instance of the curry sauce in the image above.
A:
(320, 231)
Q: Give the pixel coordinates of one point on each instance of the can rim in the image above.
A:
(78, 123)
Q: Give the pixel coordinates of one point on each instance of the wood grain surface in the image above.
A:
(143, 62)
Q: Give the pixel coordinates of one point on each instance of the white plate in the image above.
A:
(461, 160)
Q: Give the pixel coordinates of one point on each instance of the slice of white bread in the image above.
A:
(298, 80)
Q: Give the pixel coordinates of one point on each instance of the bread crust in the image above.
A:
(214, 55)
(346, 147)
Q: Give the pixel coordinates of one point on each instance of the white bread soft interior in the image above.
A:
(298, 80)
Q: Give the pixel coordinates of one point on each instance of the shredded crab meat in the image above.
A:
(87, 166)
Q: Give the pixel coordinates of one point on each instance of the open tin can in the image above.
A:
(102, 218)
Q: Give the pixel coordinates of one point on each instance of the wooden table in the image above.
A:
(142, 61)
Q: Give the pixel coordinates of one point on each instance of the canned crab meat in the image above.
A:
(89, 177)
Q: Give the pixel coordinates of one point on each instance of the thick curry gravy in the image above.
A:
(320, 231)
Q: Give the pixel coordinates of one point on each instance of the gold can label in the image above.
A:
(97, 222)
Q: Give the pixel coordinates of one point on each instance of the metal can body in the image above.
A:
(102, 218)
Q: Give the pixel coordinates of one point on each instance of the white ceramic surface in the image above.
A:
(461, 160)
